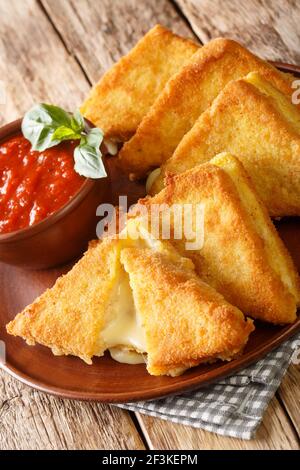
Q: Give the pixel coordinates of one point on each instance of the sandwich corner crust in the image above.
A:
(67, 317)
(118, 102)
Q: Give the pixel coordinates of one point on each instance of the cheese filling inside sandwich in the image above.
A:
(123, 333)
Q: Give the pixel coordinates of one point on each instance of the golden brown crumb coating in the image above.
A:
(262, 130)
(186, 321)
(122, 97)
(188, 94)
(69, 316)
(242, 255)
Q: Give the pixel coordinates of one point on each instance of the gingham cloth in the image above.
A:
(233, 406)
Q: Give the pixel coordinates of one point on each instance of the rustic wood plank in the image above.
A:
(289, 393)
(270, 29)
(274, 433)
(99, 33)
(33, 420)
(34, 64)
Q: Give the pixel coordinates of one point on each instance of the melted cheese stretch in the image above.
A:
(123, 331)
(127, 357)
(123, 334)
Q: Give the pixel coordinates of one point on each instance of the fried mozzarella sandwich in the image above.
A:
(142, 301)
(242, 255)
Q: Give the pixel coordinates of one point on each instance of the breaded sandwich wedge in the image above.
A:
(143, 302)
(187, 95)
(68, 317)
(241, 256)
(186, 322)
(252, 119)
(119, 101)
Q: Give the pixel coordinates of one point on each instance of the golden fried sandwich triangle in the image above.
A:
(186, 95)
(68, 317)
(119, 101)
(186, 322)
(242, 256)
(143, 302)
(252, 119)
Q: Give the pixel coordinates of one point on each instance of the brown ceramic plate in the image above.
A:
(107, 380)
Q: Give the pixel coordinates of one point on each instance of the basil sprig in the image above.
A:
(87, 155)
(46, 125)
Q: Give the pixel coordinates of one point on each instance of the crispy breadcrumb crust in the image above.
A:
(246, 122)
(69, 316)
(233, 258)
(186, 321)
(119, 101)
(188, 94)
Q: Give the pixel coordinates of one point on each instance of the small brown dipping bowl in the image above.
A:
(63, 235)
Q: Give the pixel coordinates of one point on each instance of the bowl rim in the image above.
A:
(14, 128)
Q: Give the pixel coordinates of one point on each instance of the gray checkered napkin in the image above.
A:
(233, 406)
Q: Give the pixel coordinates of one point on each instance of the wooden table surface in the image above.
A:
(53, 50)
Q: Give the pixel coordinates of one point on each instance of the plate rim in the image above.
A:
(225, 370)
(196, 382)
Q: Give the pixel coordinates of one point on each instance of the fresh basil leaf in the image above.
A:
(40, 123)
(65, 133)
(77, 122)
(94, 137)
(88, 157)
(46, 125)
(88, 162)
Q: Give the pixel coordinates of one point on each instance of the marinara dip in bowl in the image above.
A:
(47, 210)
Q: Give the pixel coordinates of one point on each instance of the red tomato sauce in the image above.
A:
(33, 184)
